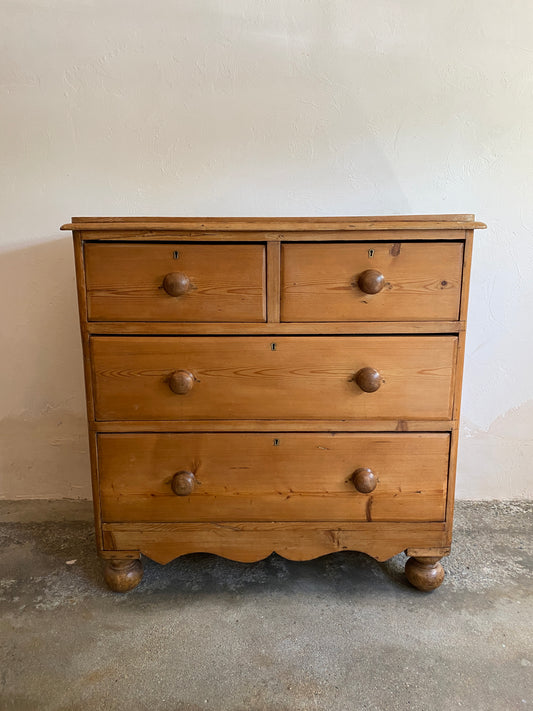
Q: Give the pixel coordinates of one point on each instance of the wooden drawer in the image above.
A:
(267, 477)
(205, 282)
(329, 282)
(315, 377)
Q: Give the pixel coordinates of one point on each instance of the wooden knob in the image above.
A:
(368, 379)
(183, 483)
(364, 480)
(176, 284)
(371, 281)
(181, 382)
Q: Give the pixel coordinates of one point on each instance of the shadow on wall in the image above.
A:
(43, 431)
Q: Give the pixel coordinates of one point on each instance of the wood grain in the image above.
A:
(273, 281)
(467, 269)
(347, 425)
(461, 343)
(428, 552)
(320, 281)
(245, 394)
(267, 477)
(433, 222)
(376, 234)
(262, 221)
(255, 329)
(82, 310)
(257, 378)
(426, 573)
(123, 574)
(247, 542)
(125, 282)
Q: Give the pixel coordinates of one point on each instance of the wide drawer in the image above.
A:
(400, 281)
(175, 282)
(272, 477)
(315, 377)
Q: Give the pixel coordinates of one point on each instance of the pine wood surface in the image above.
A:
(256, 329)
(248, 542)
(124, 282)
(315, 224)
(273, 281)
(461, 343)
(347, 425)
(225, 316)
(171, 235)
(304, 377)
(82, 309)
(422, 282)
(263, 221)
(280, 476)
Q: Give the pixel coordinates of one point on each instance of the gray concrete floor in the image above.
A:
(340, 633)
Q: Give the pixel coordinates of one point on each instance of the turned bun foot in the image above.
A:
(123, 575)
(424, 573)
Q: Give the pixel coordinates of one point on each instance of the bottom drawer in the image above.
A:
(273, 477)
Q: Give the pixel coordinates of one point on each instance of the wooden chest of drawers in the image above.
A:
(260, 385)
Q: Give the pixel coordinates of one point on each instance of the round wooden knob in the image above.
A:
(176, 284)
(371, 281)
(183, 483)
(181, 382)
(364, 480)
(368, 379)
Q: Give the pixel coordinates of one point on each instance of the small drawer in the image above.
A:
(175, 282)
(240, 378)
(400, 281)
(273, 477)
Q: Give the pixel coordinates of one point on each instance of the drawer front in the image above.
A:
(175, 282)
(213, 378)
(267, 477)
(402, 281)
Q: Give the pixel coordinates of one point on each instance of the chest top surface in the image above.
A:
(293, 227)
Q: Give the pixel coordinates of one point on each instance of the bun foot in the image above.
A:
(424, 573)
(123, 574)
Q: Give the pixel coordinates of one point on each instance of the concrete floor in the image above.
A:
(340, 633)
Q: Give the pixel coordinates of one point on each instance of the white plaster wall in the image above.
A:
(247, 107)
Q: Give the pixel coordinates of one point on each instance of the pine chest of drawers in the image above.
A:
(259, 385)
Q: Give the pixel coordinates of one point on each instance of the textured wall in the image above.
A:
(306, 107)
